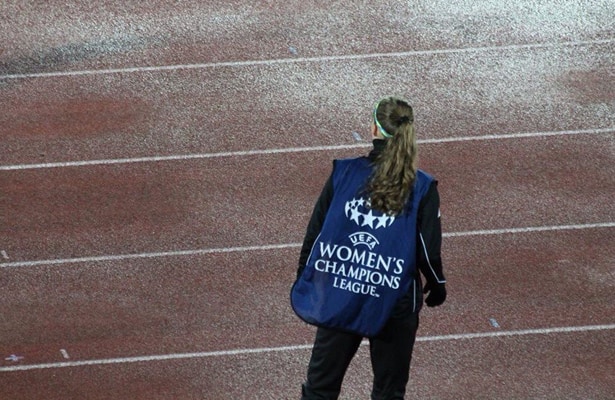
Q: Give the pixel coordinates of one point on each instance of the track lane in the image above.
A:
(231, 301)
(200, 204)
(165, 113)
(43, 38)
(440, 370)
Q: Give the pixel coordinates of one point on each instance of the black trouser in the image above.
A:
(390, 352)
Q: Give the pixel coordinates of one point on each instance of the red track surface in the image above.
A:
(168, 278)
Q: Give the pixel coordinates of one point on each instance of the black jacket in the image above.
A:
(428, 247)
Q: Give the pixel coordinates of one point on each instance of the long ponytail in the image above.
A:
(391, 182)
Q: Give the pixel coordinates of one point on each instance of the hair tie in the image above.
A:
(404, 120)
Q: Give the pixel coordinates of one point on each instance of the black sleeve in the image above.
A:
(430, 237)
(315, 224)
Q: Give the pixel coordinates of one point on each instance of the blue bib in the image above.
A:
(363, 261)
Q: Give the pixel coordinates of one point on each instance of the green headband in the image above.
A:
(380, 128)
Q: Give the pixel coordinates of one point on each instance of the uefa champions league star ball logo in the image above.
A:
(359, 211)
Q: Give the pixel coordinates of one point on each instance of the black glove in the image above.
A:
(437, 294)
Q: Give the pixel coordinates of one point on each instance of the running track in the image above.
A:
(160, 163)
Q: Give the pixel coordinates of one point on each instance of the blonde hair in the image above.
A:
(390, 184)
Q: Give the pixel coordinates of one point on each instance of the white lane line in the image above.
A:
(294, 150)
(520, 135)
(178, 157)
(299, 60)
(226, 353)
(530, 229)
(120, 257)
(524, 332)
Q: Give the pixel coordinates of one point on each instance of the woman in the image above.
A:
(375, 225)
